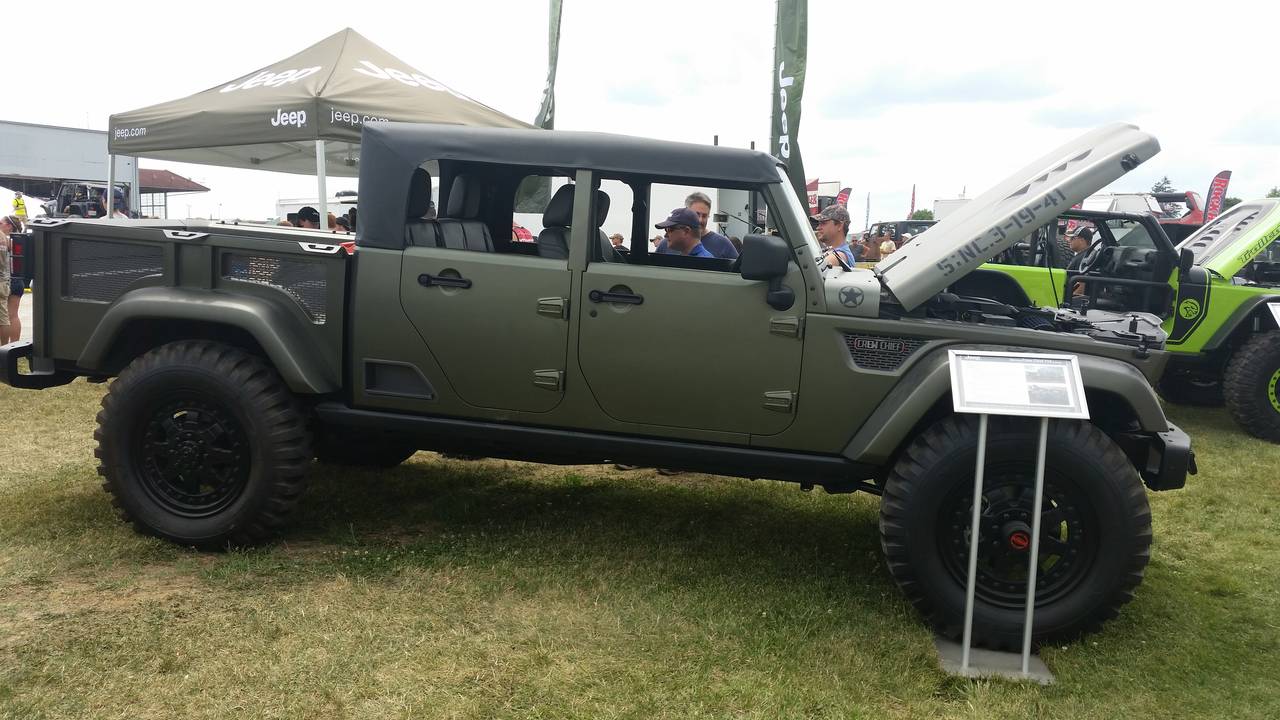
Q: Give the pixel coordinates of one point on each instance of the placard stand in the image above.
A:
(1021, 384)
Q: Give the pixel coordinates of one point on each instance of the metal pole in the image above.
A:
(320, 185)
(973, 542)
(1035, 547)
(111, 183)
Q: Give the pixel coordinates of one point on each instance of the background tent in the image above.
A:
(300, 115)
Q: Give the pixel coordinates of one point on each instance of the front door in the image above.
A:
(496, 323)
(688, 348)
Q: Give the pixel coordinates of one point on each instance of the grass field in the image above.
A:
(496, 590)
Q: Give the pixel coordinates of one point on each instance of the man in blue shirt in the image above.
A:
(683, 233)
(832, 225)
(717, 244)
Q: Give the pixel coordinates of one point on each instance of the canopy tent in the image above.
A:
(300, 115)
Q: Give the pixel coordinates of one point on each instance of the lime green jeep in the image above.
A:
(1217, 294)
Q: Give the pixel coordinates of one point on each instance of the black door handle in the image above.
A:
(426, 280)
(599, 296)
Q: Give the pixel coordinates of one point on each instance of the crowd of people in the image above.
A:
(309, 218)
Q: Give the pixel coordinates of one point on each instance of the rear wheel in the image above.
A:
(1252, 386)
(202, 444)
(1095, 529)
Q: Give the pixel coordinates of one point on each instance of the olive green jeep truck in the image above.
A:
(241, 354)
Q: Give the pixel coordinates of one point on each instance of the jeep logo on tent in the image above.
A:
(296, 118)
(266, 78)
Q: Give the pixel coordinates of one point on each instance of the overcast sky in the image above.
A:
(944, 95)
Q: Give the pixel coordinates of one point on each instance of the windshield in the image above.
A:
(796, 210)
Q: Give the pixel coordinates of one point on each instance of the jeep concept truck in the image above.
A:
(1217, 293)
(240, 354)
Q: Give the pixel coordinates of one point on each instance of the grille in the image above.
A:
(881, 352)
(303, 280)
(99, 270)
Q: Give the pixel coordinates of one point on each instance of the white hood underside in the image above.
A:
(1008, 212)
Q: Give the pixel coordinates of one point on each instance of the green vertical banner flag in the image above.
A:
(790, 56)
(534, 193)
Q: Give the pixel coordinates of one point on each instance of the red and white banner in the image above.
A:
(1217, 195)
(811, 189)
(1071, 224)
(843, 197)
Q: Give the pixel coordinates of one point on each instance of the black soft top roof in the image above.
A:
(389, 153)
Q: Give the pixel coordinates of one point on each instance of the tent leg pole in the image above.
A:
(320, 185)
(110, 199)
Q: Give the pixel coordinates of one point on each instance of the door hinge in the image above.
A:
(786, 326)
(780, 401)
(556, 307)
(548, 379)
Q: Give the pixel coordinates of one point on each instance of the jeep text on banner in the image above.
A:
(790, 53)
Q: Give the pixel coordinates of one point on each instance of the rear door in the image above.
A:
(496, 323)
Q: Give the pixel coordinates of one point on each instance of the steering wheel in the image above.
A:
(1093, 257)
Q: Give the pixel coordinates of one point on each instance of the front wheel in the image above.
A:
(1095, 528)
(1251, 386)
(202, 444)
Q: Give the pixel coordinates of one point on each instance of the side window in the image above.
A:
(722, 215)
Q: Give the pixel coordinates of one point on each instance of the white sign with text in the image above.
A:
(1011, 383)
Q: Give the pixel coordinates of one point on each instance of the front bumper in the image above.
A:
(1169, 460)
(34, 380)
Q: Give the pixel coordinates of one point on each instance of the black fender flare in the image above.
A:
(928, 382)
(293, 354)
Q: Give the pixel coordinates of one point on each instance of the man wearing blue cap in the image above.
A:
(683, 233)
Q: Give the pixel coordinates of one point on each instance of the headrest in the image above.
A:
(419, 194)
(602, 207)
(559, 212)
(464, 201)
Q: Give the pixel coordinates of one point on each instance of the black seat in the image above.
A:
(419, 232)
(553, 241)
(461, 230)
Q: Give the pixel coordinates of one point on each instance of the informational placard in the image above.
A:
(1275, 311)
(1013, 383)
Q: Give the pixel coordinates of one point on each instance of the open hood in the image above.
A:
(989, 224)
(1233, 239)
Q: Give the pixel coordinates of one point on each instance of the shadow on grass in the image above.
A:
(559, 516)
(512, 518)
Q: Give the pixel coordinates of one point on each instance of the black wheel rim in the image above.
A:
(1068, 536)
(193, 456)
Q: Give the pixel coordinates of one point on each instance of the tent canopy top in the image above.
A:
(269, 119)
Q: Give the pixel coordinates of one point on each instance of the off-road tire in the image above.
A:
(1252, 386)
(1183, 389)
(1096, 510)
(352, 448)
(202, 444)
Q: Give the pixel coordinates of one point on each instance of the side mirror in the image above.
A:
(768, 257)
(764, 257)
(1186, 260)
